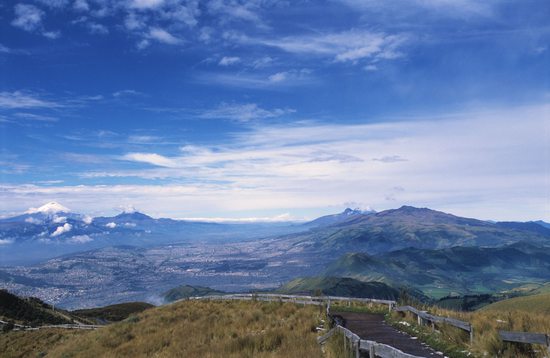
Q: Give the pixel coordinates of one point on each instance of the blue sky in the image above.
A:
(276, 109)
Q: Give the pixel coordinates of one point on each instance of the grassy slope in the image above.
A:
(203, 329)
(34, 343)
(340, 286)
(30, 311)
(186, 291)
(113, 313)
(533, 304)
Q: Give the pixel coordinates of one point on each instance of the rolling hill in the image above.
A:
(410, 227)
(537, 304)
(339, 286)
(186, 291)
(457, 270)
(30, 311)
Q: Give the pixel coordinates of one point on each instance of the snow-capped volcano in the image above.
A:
(49, 208)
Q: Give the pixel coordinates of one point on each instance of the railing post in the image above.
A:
(372, 353)
(357, 344)
(471, 334)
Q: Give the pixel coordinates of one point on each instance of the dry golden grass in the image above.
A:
(205, 329)
(19, 344)
(525, 317)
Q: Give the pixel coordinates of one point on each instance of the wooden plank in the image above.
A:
(384, 350)
(326, 336)
(524, 337)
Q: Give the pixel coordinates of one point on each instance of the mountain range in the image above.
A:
(133, 256)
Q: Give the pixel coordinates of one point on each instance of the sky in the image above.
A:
(280, 110)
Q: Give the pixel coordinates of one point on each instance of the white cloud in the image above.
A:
(51, 34)
(27, 17)
(490, 167)
(18, 99)
(161, 35)
(79, 239)
(447, 8)
(228, 61)
(33, 221)
(87, 219)
(111, 225)
(278, 77)
(96, 28)
(134, 22)
(236, 10)
(81, 5)
(62, 230)
(150, 158)
(58, 4)
(348, 46)
(244, 112)
(35, 117)
(6, 241)
(59, 219)
(147, 4)
(267, 219)
(4, 49)
(286, 78)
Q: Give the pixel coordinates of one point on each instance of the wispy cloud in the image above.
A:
(19, 99)
(27, 17)
(448, 8)
(289, 78)
(161, 35)
(347, 46)
(150, 158)
(286, 168)
(228, 61)
(35, 117)
(244, 112)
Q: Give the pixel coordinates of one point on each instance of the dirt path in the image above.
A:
(373, 327)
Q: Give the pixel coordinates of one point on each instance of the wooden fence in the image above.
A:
(311, 300)
(354, 343)
(424, 316)
(526, 337)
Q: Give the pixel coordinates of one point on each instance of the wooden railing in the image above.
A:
(424, 316)
(355, 344)
(526, 337)
(311, 300)
(20, 327)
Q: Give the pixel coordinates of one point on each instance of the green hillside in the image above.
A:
(187, 291)
(339, 286)
(450, 272)
(410, 227)
(532, 304)
(30, 311)
(113, 313)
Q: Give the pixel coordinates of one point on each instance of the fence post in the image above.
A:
(471, 334)
(372, 353)
(357, 344)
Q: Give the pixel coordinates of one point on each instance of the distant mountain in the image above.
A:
(51, 230)
(542, 223)
(339, 286)
(410, 227)
(187, 291)
(49, 208)
(457, 270)
(337, 218)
